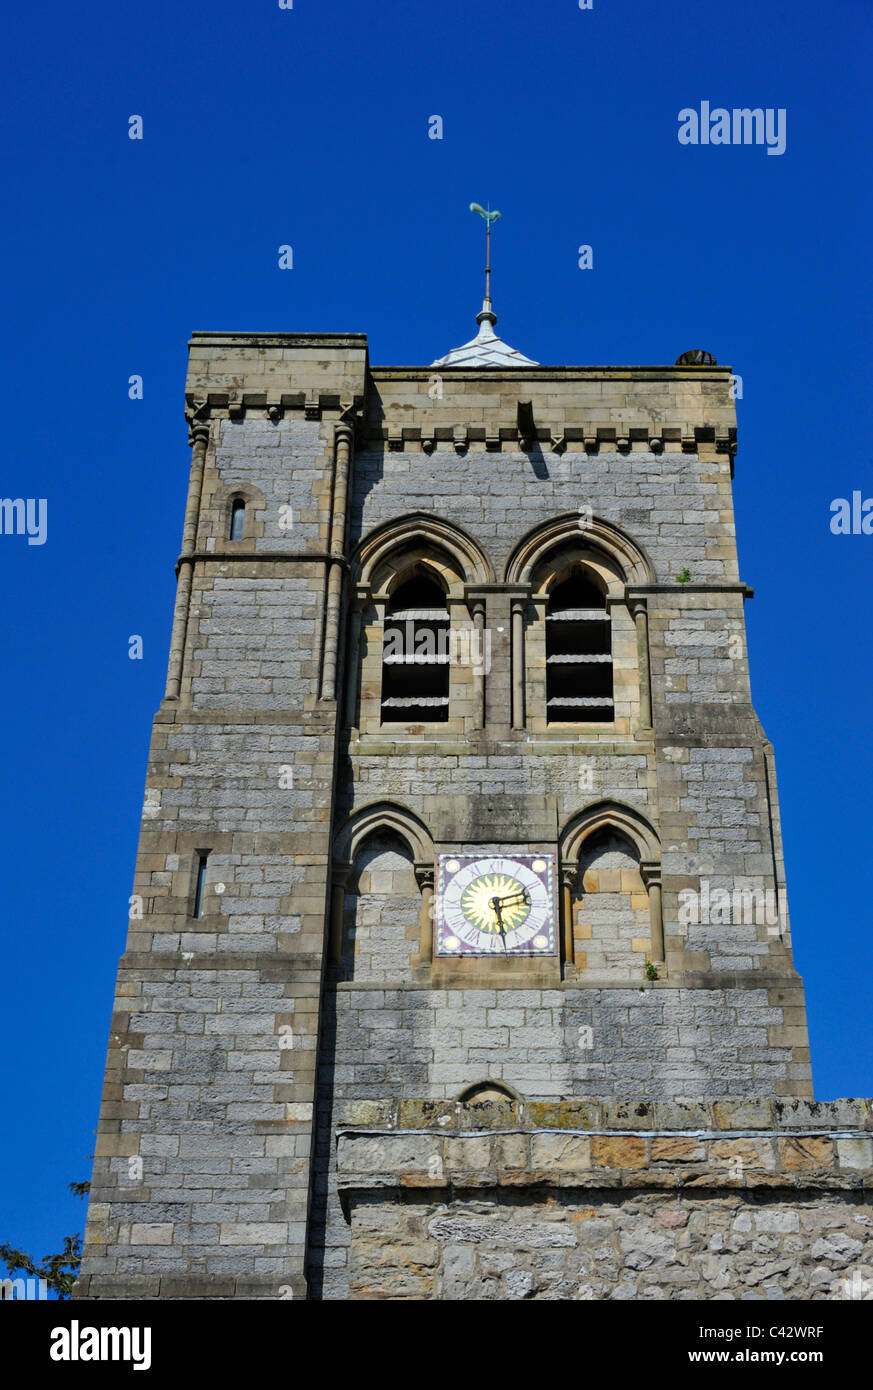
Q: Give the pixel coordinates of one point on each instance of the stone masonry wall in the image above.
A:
(201, 1179)
(666, 1044)
(676, 506)
(204, 1169)
(733, 1200)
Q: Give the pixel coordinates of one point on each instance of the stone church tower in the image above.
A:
(460, 865)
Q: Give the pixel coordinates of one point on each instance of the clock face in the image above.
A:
(501, 903)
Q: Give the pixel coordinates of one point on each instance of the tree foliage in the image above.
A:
(60, 1271)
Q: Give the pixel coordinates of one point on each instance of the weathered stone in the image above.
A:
(560, 1153)
(681, 1150)
(672, 1220)
(614, 1151)
(287, 1053)
(838, 1249)
(855, 1153)
(804, 1152)
(643, 1248)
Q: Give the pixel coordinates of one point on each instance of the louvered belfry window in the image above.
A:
(415, 654)
(578, 654)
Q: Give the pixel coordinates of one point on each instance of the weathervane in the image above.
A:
(486, 349)
(489, 217)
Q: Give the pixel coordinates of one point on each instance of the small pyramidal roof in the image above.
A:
(486, 349)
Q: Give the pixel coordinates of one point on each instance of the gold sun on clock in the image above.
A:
(498, 903)
(477, 902)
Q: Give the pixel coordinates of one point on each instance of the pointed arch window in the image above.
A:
(579, 680)
(415, 653)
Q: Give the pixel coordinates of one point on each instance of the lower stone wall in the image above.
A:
(663, 1042)
(746, 1200)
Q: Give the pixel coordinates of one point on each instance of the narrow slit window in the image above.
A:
(237, 519)
(579, 688)
(415, 654)
(200, 885)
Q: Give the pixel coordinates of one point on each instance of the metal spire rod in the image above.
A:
(489, 217)
(488, 260)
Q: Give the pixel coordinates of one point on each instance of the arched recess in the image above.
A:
(383, 815)
(382, 819)
(381, 910)
(487, 1090)
(602, 829)
(595, 668)
(580, 532)
(421, 532)
(614, 814)
(424, 548)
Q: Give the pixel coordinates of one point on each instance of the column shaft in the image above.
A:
(479, 669)
(353, 665)
(337, 905)
(200, 436)
(657, 922)
(425, 924)
(517, 664)
(342, 457)
(567, 924)
(641, 620)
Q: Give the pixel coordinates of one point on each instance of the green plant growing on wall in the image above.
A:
(650, 974)
(683, 576)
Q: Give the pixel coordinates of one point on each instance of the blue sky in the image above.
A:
(309, 127)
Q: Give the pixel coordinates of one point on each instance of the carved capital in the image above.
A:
(197, 415)
(424, 875)
(362, 597)
(476, 598)
(339, 874)
(569, 871)
(198, 432)
(650, 872)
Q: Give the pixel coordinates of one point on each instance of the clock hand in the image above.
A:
(496, 905)
(509, 901)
